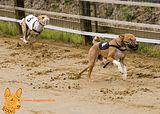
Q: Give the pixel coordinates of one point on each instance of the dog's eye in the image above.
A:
(12, 99)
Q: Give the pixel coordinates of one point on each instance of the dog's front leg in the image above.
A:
(25, 36)
(110, 58)
(118, 64)
(124, 75)
(28, 35)
(121, 67)
(35, 38)
(24, 31)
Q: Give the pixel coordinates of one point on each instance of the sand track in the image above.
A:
(48, 70)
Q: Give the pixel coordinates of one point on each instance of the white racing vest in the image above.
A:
(30, 20)
(38, 27)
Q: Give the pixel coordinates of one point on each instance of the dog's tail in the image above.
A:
(21, 21)
(79, 74)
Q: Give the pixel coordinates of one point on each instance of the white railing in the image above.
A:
(108, 21)
(145, 40)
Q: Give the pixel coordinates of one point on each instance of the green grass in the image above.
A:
(69, 2)
(9, 28)
(149, 50)
(61, 36)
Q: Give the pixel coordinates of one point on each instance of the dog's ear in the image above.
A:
(19, 92)
(39, 17)
(7, 92)
(122, 36)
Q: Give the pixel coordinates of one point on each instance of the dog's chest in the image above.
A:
(38, 27)
(118, 54)
(30, 20)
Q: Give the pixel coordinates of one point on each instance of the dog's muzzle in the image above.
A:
(46, 22)
(132, 45)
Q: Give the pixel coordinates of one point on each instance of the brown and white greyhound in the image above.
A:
(32, 24)
(112, 51)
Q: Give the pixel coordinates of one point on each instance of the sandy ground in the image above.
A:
(46, 72)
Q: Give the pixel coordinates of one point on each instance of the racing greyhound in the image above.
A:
(113, 52)
(32, 24)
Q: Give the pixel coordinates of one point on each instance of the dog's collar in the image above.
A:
(41, 23)
(8, 111)
(36, 31)
(117, 43)
(118, 47)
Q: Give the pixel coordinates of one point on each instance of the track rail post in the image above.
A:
(19, 14)
(95, 14)
(85, 24)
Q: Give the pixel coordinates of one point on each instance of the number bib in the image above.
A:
(29, 20)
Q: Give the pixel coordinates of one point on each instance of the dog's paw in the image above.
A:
(124, 76)
(25, 41)
(90, 80)
(120, 69)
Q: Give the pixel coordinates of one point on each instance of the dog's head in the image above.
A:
(96, 39)
(12, 101)
(43, 19)
(129, 40)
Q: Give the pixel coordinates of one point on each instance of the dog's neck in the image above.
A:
(118, 43)
(38, 27)
(8, 111)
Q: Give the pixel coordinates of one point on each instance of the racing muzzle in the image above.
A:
(45, 22)
(132, 45)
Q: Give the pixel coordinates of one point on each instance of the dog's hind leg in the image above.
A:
(28, 35)
(90, 71)
(90, 67)
(24, 29)
(93, 54)
(25, 32)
